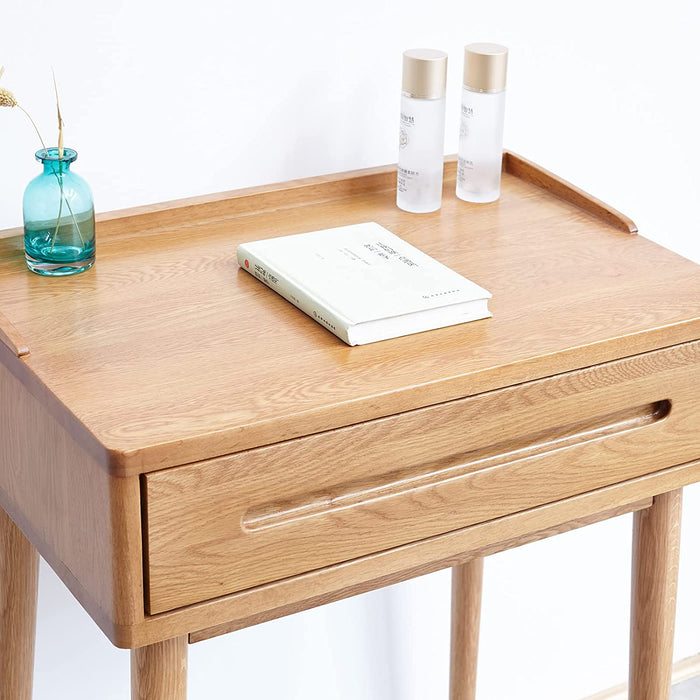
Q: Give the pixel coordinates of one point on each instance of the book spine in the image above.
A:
(293, 293)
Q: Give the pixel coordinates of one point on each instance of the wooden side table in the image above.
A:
(192, 455)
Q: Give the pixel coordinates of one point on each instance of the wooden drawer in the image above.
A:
(238, 521)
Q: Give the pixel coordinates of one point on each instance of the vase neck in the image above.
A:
(53, 163)
(56, 167)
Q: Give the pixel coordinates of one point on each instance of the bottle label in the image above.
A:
(464, 169)
(465, 165)
(408, 121)
(405, 177)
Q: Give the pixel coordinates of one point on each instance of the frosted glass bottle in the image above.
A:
(480, 145)
(422, 131)
(481, 123)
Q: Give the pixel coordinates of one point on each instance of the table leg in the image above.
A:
(159, 671)
(19, 578)
(466, 614)
(655, 550)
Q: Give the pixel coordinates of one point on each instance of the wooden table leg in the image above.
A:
(466, 615)
(655, 550)
(19, 578)
(159, 671)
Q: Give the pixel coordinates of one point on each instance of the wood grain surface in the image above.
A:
(386, 568)
(11, 338)
(467, 580)
(19, 581)
(229, 365)
(336, 496)
(159, 671)
(530, 172)
(166, 354)
(84, 522)
(655, 552)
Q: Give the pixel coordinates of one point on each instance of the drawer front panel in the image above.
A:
(238, 521)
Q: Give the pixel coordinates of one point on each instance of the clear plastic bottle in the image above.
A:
(481, 126)
(422, 131)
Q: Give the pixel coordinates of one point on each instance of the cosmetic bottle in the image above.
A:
(422, 131)
(481, 126)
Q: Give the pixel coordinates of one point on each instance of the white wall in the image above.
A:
(164, 100)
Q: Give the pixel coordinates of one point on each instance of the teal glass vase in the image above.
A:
(59, 218)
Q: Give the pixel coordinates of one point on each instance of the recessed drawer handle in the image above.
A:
(409, 480)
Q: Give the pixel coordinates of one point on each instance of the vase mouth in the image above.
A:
(50, 155)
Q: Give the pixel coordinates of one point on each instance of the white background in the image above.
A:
(164, 100)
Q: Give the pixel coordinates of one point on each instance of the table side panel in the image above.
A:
(85, 523)
(343, 494)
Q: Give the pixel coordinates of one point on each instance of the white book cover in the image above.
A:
(364, 283)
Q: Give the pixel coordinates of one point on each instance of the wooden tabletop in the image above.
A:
(167, 353)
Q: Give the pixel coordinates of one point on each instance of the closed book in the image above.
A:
(364, 283)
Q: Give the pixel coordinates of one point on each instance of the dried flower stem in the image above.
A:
(60, 185)
(60, 118)
(29, 116)
(60, 211)
(7, 99)
(60, 155)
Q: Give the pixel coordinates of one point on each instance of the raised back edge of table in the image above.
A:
(11, 337)
(254, 200)
(538, 176)
(306, 191)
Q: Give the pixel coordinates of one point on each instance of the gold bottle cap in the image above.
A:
(424, 73)
(485, 67)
